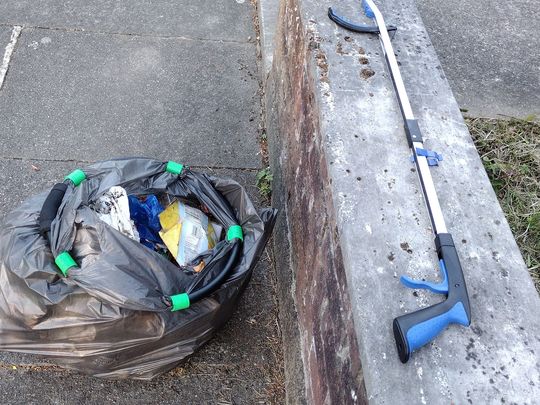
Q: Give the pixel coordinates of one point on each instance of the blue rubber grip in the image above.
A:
(426, 331)
(415, 329)
(367, 10)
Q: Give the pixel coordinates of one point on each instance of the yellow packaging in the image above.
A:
(187, 232)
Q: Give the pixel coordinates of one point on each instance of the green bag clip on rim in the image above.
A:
(77, 176)
(64, 261)
(235, 232)
(179, 302)
(174, 168)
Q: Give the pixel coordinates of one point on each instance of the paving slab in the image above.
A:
(209, 19)
(489, 52)
(94, 96)
(241, 364)
(20, 179)
(172, 80)
(5, 34)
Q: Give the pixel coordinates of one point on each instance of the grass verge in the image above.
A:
(510, 151)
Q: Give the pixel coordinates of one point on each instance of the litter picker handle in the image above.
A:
(418, 328)
(50, 207)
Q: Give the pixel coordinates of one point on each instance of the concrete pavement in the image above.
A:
(489, 52)
(91, 80)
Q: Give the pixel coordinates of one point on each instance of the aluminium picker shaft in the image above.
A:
(415, 329)
(412, 130)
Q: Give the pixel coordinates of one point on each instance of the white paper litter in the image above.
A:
(113, 209)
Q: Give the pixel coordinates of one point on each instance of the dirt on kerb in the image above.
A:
(510, 152)
(366, 73)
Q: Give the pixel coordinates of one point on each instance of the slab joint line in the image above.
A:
(195, 166)
(133, 34)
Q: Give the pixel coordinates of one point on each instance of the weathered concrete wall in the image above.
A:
(318, 286)
(357, 221)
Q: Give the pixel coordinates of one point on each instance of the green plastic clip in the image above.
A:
(174, 168)
(235, 232)
(64, 261)
(77, 176)
(179, 301)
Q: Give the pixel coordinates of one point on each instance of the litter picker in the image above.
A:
(415, 329)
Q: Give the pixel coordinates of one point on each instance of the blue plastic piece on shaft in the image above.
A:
(433, 158)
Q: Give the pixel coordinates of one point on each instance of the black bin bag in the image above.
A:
(84, 295)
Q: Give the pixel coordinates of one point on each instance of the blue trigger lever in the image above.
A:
(437, 288)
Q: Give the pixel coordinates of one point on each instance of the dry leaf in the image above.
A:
(198, 268)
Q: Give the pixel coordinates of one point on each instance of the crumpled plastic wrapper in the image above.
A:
(108, 318)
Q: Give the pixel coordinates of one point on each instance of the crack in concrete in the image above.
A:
(128, 34)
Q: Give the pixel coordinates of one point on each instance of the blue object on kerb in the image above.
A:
(424, 332)
(438, 288)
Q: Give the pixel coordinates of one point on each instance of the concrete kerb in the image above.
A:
(268, 17)
(357, 221)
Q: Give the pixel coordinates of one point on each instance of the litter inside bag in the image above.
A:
(180, 231)
(145, 213)
(113, 208)
(84, 293)
(187, 232)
